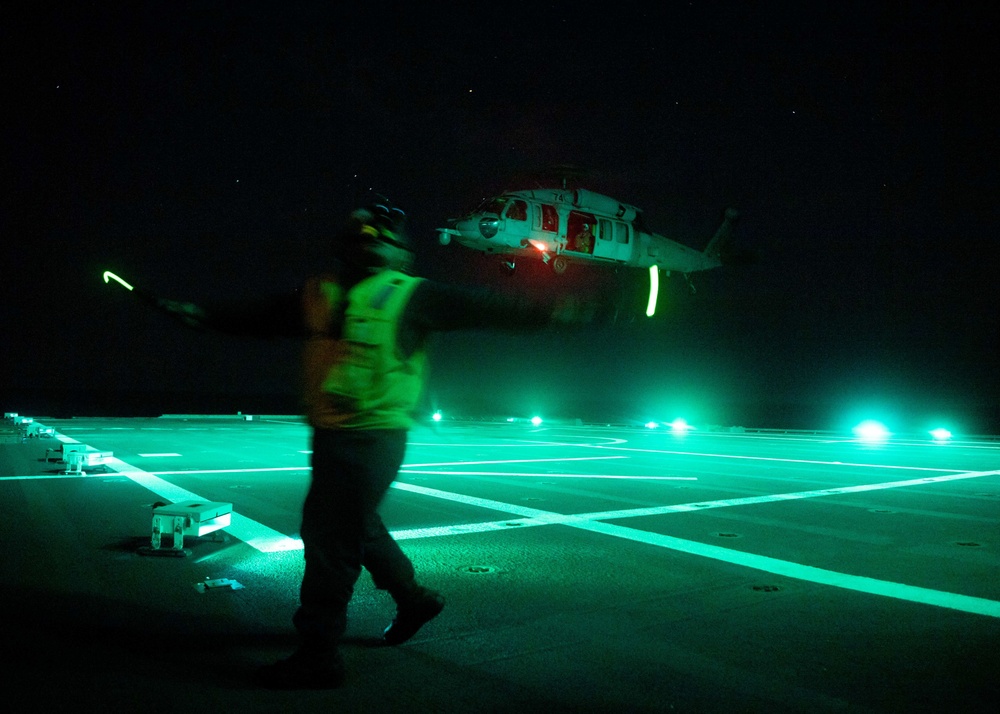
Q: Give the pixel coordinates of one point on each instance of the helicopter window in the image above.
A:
(517, 210)
(550, 219)
(621, 232)
(492, 205)
(604, 229)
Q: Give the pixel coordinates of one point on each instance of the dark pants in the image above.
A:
(343, 532)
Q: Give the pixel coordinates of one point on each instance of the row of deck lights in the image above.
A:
(869, 431)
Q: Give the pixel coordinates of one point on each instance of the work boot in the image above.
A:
(412, 614)
(303, 670)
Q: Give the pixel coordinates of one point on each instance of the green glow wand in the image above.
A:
(188, 313)
(654, 289)
(109, 276)
(139, 292)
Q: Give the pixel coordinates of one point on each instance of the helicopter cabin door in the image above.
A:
(614, 240)
(580, 231)
(516, 223)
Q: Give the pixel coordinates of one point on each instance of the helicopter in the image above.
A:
(565, 226)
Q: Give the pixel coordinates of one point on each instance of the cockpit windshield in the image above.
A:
(493, 205)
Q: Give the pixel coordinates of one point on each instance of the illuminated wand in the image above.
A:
(186, 312)
(139, 292)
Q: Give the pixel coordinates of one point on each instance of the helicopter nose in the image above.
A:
(485, 226)
(467, 226)
(489, 226)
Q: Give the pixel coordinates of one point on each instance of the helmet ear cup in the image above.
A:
(389, 221)
(375, 238)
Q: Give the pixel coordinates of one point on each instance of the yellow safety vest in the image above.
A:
(359, 379)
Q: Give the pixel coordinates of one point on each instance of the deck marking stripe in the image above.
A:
(41, 477)
(727, 502)
(193, 472)
(901, 591)
(872, 586)
(765, 458)
(510, 461)
(520, 474)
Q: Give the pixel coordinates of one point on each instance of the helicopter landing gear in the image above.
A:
(559, 264)
(510, 266)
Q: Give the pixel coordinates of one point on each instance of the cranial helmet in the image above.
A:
(373, 239)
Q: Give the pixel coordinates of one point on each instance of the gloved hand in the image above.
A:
(185, 312)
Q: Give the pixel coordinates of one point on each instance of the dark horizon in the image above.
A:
(209, 151)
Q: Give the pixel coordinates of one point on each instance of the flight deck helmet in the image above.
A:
(374, 239)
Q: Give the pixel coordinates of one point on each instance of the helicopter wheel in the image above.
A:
(559, 264)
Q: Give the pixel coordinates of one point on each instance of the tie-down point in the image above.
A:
(192, 518)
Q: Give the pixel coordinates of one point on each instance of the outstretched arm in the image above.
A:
(438, 307)
(273, 316)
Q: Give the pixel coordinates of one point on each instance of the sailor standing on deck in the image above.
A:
(366, 324)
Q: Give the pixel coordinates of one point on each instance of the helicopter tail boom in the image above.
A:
(723, 235)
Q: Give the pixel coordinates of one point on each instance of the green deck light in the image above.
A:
(680, 426)
(871, 431)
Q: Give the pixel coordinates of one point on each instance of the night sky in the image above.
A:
(207, 150)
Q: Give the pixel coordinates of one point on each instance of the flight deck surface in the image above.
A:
(586, 568)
